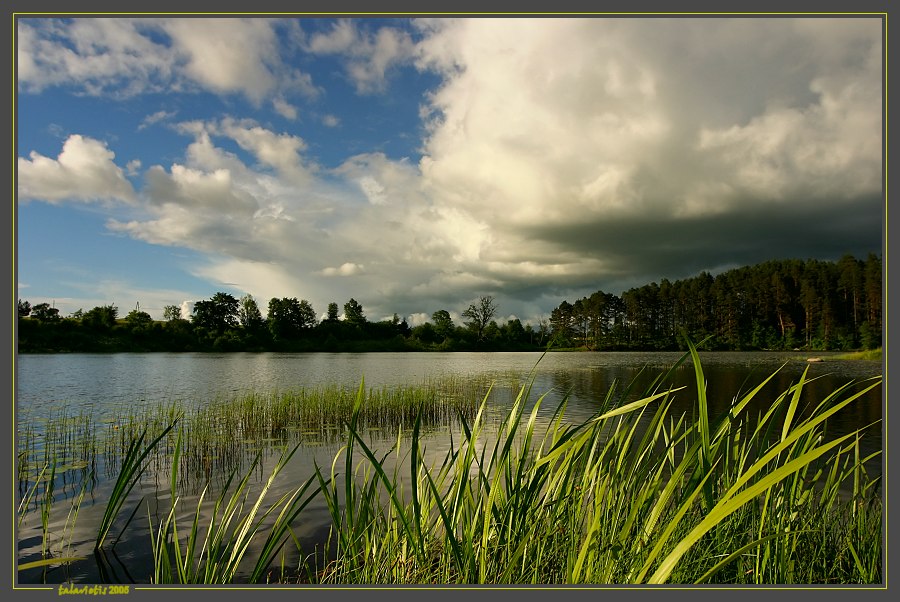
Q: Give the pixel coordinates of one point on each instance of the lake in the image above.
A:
(107, 385)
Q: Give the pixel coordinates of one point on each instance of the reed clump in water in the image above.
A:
(223, 434)
(61, 456)
(54, 465)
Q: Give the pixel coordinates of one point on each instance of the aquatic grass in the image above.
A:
(210, 441)
(131, 470)
(71, 519)
(30, 494)
(868, 354)
(65, 444)
(46, 505)
(229, 534)
(634, 495)
(219, 436)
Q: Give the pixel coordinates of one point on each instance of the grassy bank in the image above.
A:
(635, 495)
(869, 354)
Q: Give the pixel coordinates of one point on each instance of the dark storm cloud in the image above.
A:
(647, 248)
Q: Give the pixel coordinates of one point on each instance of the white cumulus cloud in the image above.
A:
(345, 269)
(123, 57)
(559, 155)
(85, 170)
(369, 56)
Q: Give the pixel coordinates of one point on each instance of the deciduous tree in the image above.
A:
(216, 314)
(249, 315)
(138, 321)
(288, 317)
(443, 324)
(353, 313)
(102, 317)
(332, 315)
(480, 315)
(171, 312)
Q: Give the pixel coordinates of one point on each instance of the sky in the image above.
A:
(419, 164)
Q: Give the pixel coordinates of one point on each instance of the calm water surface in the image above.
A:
(106, 382)
(110, 385)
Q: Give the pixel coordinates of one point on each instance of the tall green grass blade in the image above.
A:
(414, 468)
(668, 491)
(176, 464)
(36, 564)
(730, 504)
(72, 516)
(26, 500)
(634, 405)
(275, 539)
(130, 473)
(740, 552)
(703, 423)
(792, 408)
(127, 522)
(389, 485)
(449, 526)
(670, 529)
(802, 429)
(570, 441)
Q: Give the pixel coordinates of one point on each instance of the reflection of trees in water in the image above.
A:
(588, 387)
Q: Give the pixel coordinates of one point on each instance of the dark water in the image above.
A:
(110, 385)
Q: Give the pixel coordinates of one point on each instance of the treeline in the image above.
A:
(226, 323)
(776, 305)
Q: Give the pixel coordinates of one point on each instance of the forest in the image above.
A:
(779, 305)
(775, 305)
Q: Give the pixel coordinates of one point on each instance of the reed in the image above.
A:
(634, 495)
(51, 467)
(195, 448)
(130, 473)
(230, 532)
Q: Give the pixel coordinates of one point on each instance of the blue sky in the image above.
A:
(416, 165)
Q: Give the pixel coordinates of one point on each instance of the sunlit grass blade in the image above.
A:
(130, 473)
(730, 504)
(291, 509)
(702, 422)
(48, 562)
(792, 408)
(705, 577)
